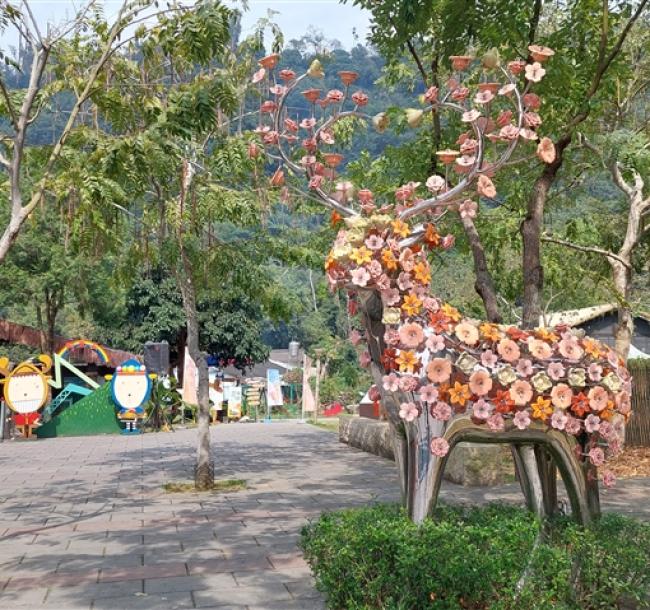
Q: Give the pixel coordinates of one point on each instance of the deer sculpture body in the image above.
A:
(560, 399)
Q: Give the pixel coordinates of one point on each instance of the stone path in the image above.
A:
(85, 523)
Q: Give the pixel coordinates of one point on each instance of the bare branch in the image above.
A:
(4, 161)
(592, 249)
(34, 22)
(620, 182)
(74, 23)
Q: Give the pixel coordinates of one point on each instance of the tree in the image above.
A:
(69, 59)
(627, 153)
(428, 33)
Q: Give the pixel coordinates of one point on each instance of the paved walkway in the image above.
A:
(84, 522)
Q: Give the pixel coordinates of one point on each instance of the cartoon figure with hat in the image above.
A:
(26, 390)
(130, 389)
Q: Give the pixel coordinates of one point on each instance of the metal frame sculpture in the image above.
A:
(558, 398)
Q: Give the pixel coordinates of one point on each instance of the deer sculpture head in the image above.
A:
(559, 398)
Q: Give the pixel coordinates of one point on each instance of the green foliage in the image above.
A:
(474, 558)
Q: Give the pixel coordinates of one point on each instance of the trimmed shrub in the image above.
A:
(374, 558)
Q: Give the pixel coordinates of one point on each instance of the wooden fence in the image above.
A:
(637, 432)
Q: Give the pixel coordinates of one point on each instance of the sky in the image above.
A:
(339, 21)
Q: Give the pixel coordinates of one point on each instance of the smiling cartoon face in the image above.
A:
(131, 386)
(25, 389)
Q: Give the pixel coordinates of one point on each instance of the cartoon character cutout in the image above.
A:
(130, 389)
(26, 390)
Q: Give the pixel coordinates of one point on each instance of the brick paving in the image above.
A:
(85, 523)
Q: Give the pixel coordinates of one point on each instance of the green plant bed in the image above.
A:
(218, 487)
(374, 558)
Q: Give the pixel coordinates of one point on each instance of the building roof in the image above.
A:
(575, 317)
(32, 337)
(278, 359)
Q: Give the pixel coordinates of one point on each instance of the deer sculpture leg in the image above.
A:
(418, 469)
(560, 399)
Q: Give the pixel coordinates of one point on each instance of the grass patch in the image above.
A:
(330, 426)
(219, 486)
(473, 558)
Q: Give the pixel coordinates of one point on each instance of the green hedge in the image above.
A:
(375, 558)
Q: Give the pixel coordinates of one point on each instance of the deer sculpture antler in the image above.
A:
(559, 398)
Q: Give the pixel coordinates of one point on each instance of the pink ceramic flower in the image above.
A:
(435, 343)
(595, 372)
(404, 282)
(609, 479)
(508, 350)
(439, 447)
(408, 383)
(532, 101)
(596, 456)
(470, 116)
(521, 392)
(365, 359)
(496, 422)
(374, 242)
(561, 396)
(485, 187)
(521, 419)
(598, 398)
(390, 296)
(555, 371)
(375, 269)
(408, 411)
(592, 423)
(467, 333)
(468, 209)
(532, 120)
(539, 349)
(308, 123)
(390, 382)
(524, 367)
(441, 410)
(509, 132)
(573, 426)
(481, 409)
(489, 359)
(411, 335)
(546, 150)
(334, 96)
(360, 98)
(484, 97)
(447, 242)
(535, 72)
(480, 383)
(559, 420)
(359, 276)
(570, 349)
(439, 370)
(435, 183)
(431, 94)
(391, 336)
(428, 393)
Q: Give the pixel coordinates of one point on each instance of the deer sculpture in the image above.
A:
(560, 399)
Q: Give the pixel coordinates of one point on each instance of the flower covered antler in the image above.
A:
(495, 113)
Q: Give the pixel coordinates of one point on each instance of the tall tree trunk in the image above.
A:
(531, 232)
(625, 326)
(204, 471)
(483, 285)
